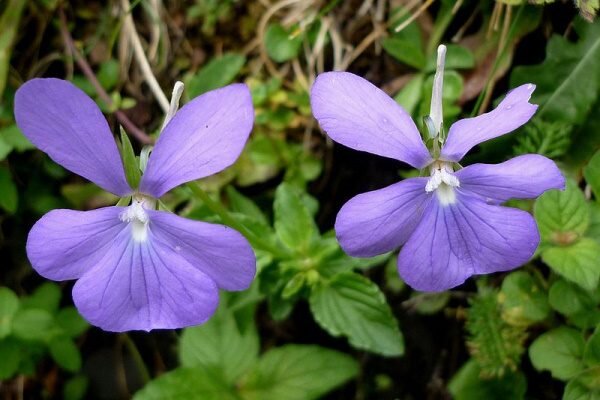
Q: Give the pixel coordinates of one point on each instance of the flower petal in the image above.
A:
(376, 222)
(66, 124)
(64, 244)
(359, 115)
(522, 177)
(468, 237)
(206, 136)
(514, 111)
(144, 286)
(218, 251)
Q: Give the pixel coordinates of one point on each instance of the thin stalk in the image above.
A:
(137, 358)
(226, 217)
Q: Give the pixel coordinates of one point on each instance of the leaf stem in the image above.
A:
(137, 358)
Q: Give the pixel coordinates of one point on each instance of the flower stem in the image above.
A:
(137, 358)
(226, 217)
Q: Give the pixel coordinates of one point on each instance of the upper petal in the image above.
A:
(143, 286)
(455, 241)
(64, 244)
(514, 111)
(66, 124)
(522, 177)
(219, 251)
(359, 115)
(206, 136)
(376, 222)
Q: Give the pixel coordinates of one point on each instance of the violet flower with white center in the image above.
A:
(451, 224)
(138, 268)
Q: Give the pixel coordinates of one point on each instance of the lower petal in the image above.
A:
(218, 251)
(64, 244)
(144, 286)
(376, 222)
(469, 237)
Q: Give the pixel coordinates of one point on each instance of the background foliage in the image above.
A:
(316, 323)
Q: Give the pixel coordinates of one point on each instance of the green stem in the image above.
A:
(445, 16)
(226, 217)
(137, 358)
(498, 59)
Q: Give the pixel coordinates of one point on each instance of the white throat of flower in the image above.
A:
(442, 181)
(137, 217)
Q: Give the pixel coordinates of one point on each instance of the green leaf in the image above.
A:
(353, 306)
(10, 354)
(559, 351)
(32, 324)
(71, 322)
(45, 297)
(551, 139)
(591, 353)
(9, 304)
(217, 73)
(65, 353)
(575, 390)
(188, 383)
(294, 224)
(281, 44)
(467, 384)
(592, 174)
(568, 81)
(577, 304)
(130, 163)
(410, 95)
(75, 388)
(562, 216)
(523, 301)
(579, 262)
(296, 372)
(108, 74)
(219, 343)
(405, 50)
(9, 196)
(457, 57)
(242, 204)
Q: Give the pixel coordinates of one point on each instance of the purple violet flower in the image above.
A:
(450, 225)
(138, 268)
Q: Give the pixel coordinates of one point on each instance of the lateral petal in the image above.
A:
(219, 251)
(469, 237)
(206, 136)
(522, 177)
(382, 220)
(357, 114)
(514, 111)
(66, 124)
(64, 244)
(144, 286)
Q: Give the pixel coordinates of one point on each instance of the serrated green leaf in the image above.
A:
(591, 353)
(281, 44)
(578, 263)
(551, 139)
(65, 353)
(568, 81)
(71, 322)
(10, 354)
(592, 174)
(32, 324)
(130, 163)
(562, 216)
(523, 301)
(353, 306)
(9, 196)
(467, 384)
(188, 383)
(294, 225)
(577, 304)
(217, 73)
(559, 351)
(296, 372)
(9, 304)
(45, 297)
(219, 343)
